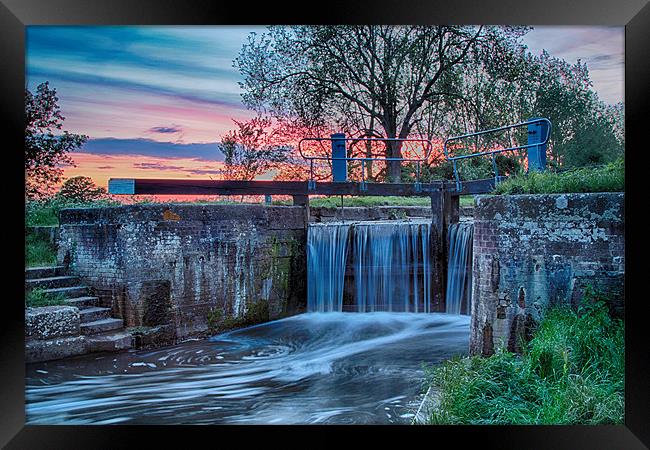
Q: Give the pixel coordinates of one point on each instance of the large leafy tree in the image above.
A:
(428, 81)
(378, 80)
(46, 145)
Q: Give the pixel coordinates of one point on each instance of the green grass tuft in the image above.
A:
(572, 372)
(608, 178)
(38, 297)
(39, 251)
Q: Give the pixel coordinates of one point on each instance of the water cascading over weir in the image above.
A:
(458, 298)
(389, 263)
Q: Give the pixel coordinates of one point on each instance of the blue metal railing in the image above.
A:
(311, 182)
(493, 153)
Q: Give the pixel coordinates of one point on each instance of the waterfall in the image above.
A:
(390, 262)
(327, 248)
(459, 269)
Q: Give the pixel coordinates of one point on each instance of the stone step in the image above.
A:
(83, 302)
(94, 313)
(43, 272)
(68, 292)
(51, 282)
(101, 326)
(111, 341)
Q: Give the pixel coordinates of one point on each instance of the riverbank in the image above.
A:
(571, 372)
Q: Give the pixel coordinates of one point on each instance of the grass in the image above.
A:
(572, 372)
(608, 178)
(38, 297)
(335, 201)
(46, 213)
(39, 251)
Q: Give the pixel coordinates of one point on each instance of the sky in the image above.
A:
(155, 100)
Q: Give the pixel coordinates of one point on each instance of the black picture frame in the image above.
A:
(15, 15)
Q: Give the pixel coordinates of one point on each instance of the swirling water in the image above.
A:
(347, 368)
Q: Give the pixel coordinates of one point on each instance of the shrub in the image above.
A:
(46, 212)
(608, 178)
(571, 372)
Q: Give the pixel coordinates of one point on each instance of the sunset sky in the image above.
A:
(156, 99)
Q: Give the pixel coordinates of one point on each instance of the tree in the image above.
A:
(45, 151)
(252, 149)
(380, 78)
(81, 189)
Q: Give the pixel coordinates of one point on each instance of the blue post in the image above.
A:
(537, 132)
(339, 166)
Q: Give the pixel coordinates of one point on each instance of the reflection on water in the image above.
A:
(310, 368)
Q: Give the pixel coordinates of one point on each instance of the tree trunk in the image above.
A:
(395, 167)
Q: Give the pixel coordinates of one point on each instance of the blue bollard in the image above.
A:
(537, 132)
(339, 166)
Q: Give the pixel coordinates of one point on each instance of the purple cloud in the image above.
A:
(166, 130)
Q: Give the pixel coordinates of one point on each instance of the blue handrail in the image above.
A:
(453, 159)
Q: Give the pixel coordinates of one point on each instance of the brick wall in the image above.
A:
(179, 264)
(533, 251)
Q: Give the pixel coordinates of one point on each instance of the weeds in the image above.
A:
(38, 297)
(571, 372)
(609, 178)
(39, 251)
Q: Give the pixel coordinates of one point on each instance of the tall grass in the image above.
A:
(572, 372)
(39, 251)
(608, 178)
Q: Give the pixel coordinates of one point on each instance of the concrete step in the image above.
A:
(83, 302)
(111, 341)
(94, 313)
(101, 326)
(68, 292)
(44, 272)
(51, 282)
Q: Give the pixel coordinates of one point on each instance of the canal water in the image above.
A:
(320, 368)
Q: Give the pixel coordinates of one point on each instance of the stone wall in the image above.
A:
(52, 332)
(188, 266)
(533, 251)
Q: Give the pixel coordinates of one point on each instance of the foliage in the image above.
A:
(608, 178)
(38, 251)
(572, 372)
(335, 201)
(81, 190)
(252, 149)
(362, 80)
(45, 151)
(426, 81)
(38, 297)
(46, 212)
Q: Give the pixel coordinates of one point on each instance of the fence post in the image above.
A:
(339, 166)
(537, 154)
